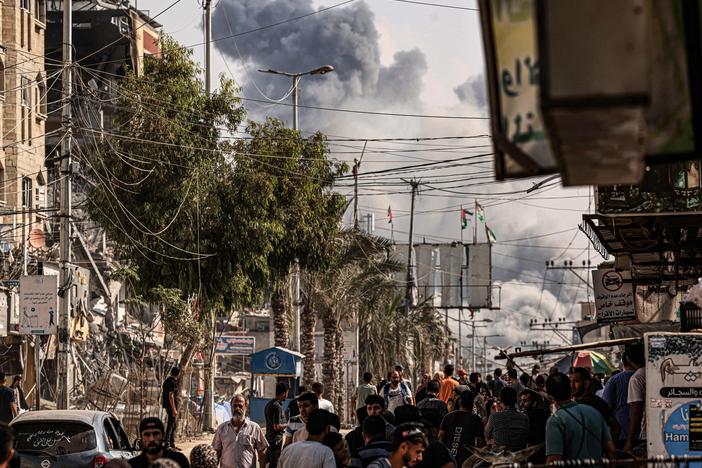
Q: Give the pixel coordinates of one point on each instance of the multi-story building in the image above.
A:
(24, 102)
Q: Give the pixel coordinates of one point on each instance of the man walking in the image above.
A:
(169, 402)
(447, 384)
(615, 395)
(326, 405)
(497, 384)
(363, 390)
(514, 382)
(531, 405)
(238, 440)
(636, 397)
(581, 386)
(295, 429)
(396, 393)
(311, 453)
(408, 444)
(275, 424)
(462, 429)
(8, 405)
(432, 403)
(508, 429)
(20, 401)
(151, 433)
(375, 445)
(574, 431)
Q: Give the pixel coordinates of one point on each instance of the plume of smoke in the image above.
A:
(344, 37)
(472, 91)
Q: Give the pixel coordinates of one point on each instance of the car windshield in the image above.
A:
(54, 437)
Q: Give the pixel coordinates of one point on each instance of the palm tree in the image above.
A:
(360, 269)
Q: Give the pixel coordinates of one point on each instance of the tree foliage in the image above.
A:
(195, 212)
(168, 195)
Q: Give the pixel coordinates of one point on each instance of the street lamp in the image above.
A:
(296, 80)
(472, 335)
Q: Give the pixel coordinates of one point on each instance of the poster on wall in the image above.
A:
(38, 305)
(674, 394)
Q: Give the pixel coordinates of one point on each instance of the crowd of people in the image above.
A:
(553, 417)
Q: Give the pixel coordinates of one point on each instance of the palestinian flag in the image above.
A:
(480, 212)
(389, 214)
(490, 235)
(464, 217)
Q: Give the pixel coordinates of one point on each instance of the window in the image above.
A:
(26, 92)
(2, 79)
(27, 194)
(24, 4)
(54, 437)
(40, 10)
(40, 98)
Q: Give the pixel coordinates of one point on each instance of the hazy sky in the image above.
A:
(398, 57)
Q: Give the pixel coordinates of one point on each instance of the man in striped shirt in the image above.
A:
(296, 431)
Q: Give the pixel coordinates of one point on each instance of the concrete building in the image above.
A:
(24, 96)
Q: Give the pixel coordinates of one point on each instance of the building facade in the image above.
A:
(24, 99)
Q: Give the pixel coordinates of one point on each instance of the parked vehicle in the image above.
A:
(70, 438)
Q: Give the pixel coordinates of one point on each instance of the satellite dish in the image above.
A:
(37, 239)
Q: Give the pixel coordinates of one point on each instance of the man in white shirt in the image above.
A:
(310, 453)
(396, 393)
(326, 405)
(237, 440)
(636, 397)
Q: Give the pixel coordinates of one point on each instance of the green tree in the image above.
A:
(301, 176)
(166, 192)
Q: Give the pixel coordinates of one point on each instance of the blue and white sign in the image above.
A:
(235, 345)
(676, 432)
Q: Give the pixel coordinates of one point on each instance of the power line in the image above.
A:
(439, 5)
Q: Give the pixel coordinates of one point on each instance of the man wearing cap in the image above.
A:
(407, 446)
(238, 440)
(151, 433)
(462, 377)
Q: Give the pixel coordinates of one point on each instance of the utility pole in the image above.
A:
(295, 100)
(356, 168)
(208, 46)
(64, 330)
(408, 290)
(296, 271)
(208, 403)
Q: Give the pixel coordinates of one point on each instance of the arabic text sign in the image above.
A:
(614, 296)
(517, 75)
(38, 305)
(236, 345)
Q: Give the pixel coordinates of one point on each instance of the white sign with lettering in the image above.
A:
(38, 305)
(614, 295)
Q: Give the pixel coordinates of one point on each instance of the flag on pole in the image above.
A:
(480, 212)
(389, 215)
(490, 235)
(464, 217)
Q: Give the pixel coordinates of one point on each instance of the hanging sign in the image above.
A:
(38, 305)
(614, 295)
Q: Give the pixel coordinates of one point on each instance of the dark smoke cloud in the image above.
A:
(345, 37)
(472, 91)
